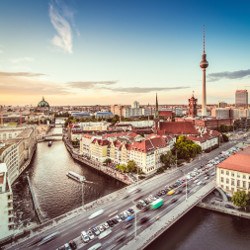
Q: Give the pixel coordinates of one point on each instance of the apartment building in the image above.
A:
(233, 174)
(6, 203)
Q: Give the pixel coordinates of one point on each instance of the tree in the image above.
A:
(121, 167)
(240, 199)
(107, 161)
(224, 138)
(168, 159)
(131, 166)
(186, 148)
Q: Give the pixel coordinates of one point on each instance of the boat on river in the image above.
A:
(76, 177)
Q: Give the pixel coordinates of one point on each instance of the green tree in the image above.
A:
(168, 159)
(107, 161)
(131, 166)
(225, 138)
(240, 199)
(121, 167)
(185, 148)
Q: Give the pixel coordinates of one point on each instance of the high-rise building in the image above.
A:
(241, 98)
(204, 65)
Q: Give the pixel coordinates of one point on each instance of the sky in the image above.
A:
(88, 52)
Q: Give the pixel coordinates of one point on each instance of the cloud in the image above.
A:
(27, 83)
(228, 75)
(20, 74)
(90, 84)
(21, 60)
(138, 90)
(61, 18)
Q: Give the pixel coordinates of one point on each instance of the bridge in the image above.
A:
(139, 235)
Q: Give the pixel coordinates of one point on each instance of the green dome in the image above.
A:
(43, 104)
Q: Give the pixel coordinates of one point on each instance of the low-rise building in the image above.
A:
(233, 174)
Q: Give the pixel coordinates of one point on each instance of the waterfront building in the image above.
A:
(18, 151)
(241, 98)
(6, 203)
(233, 174)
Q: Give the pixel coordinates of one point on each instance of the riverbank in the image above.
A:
(97, 165)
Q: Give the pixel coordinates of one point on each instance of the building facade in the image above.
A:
(233, 174)
(6, 204)
(241, 98)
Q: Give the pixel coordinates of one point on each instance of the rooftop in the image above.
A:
(238, 162)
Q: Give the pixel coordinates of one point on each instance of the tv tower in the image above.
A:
(204, 65)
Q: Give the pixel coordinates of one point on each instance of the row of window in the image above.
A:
(239, 183)
(244, 176)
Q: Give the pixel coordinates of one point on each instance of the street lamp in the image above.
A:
(82, 182)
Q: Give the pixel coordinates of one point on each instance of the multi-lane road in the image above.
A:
(71, 229)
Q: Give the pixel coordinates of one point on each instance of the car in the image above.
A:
(120, 238)
(106, 225)
(95, 230)
(173, 200)
(101, 228)
(118, 218)
(90, 234)
(110, 223)
(179, 191)
(130, 218)
(131, 210)
(67, 246)
(73, 244)
(143, 220)
(197, 180)
(146, 208)
(115, 221)
(199, 183)
(48, 238)
(127, 225)
(85, 237)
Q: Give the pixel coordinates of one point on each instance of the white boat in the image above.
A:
(76, 176)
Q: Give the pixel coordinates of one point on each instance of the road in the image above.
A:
(71, 229)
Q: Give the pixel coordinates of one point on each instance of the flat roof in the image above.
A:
(238, 162)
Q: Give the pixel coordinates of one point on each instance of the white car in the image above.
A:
(85, 237)
(199, 183)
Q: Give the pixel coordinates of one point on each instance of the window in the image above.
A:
(232, 174)
(222, 171)
(244, 176)
(238, 183)
(227, 172)
(227, 180)
(238, 175)
(232, 182)
(222, 179)
(243, 184)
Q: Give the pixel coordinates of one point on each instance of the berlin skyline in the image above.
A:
(105, 52)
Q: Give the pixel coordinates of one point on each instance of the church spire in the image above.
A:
(156, 107)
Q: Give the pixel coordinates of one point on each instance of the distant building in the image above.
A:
(103, 114)
(233, 174)
(222, 105)
(6, 203)
(241, 98)
(81, 114)
(43, 105)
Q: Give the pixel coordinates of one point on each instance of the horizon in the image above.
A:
(83, 53)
